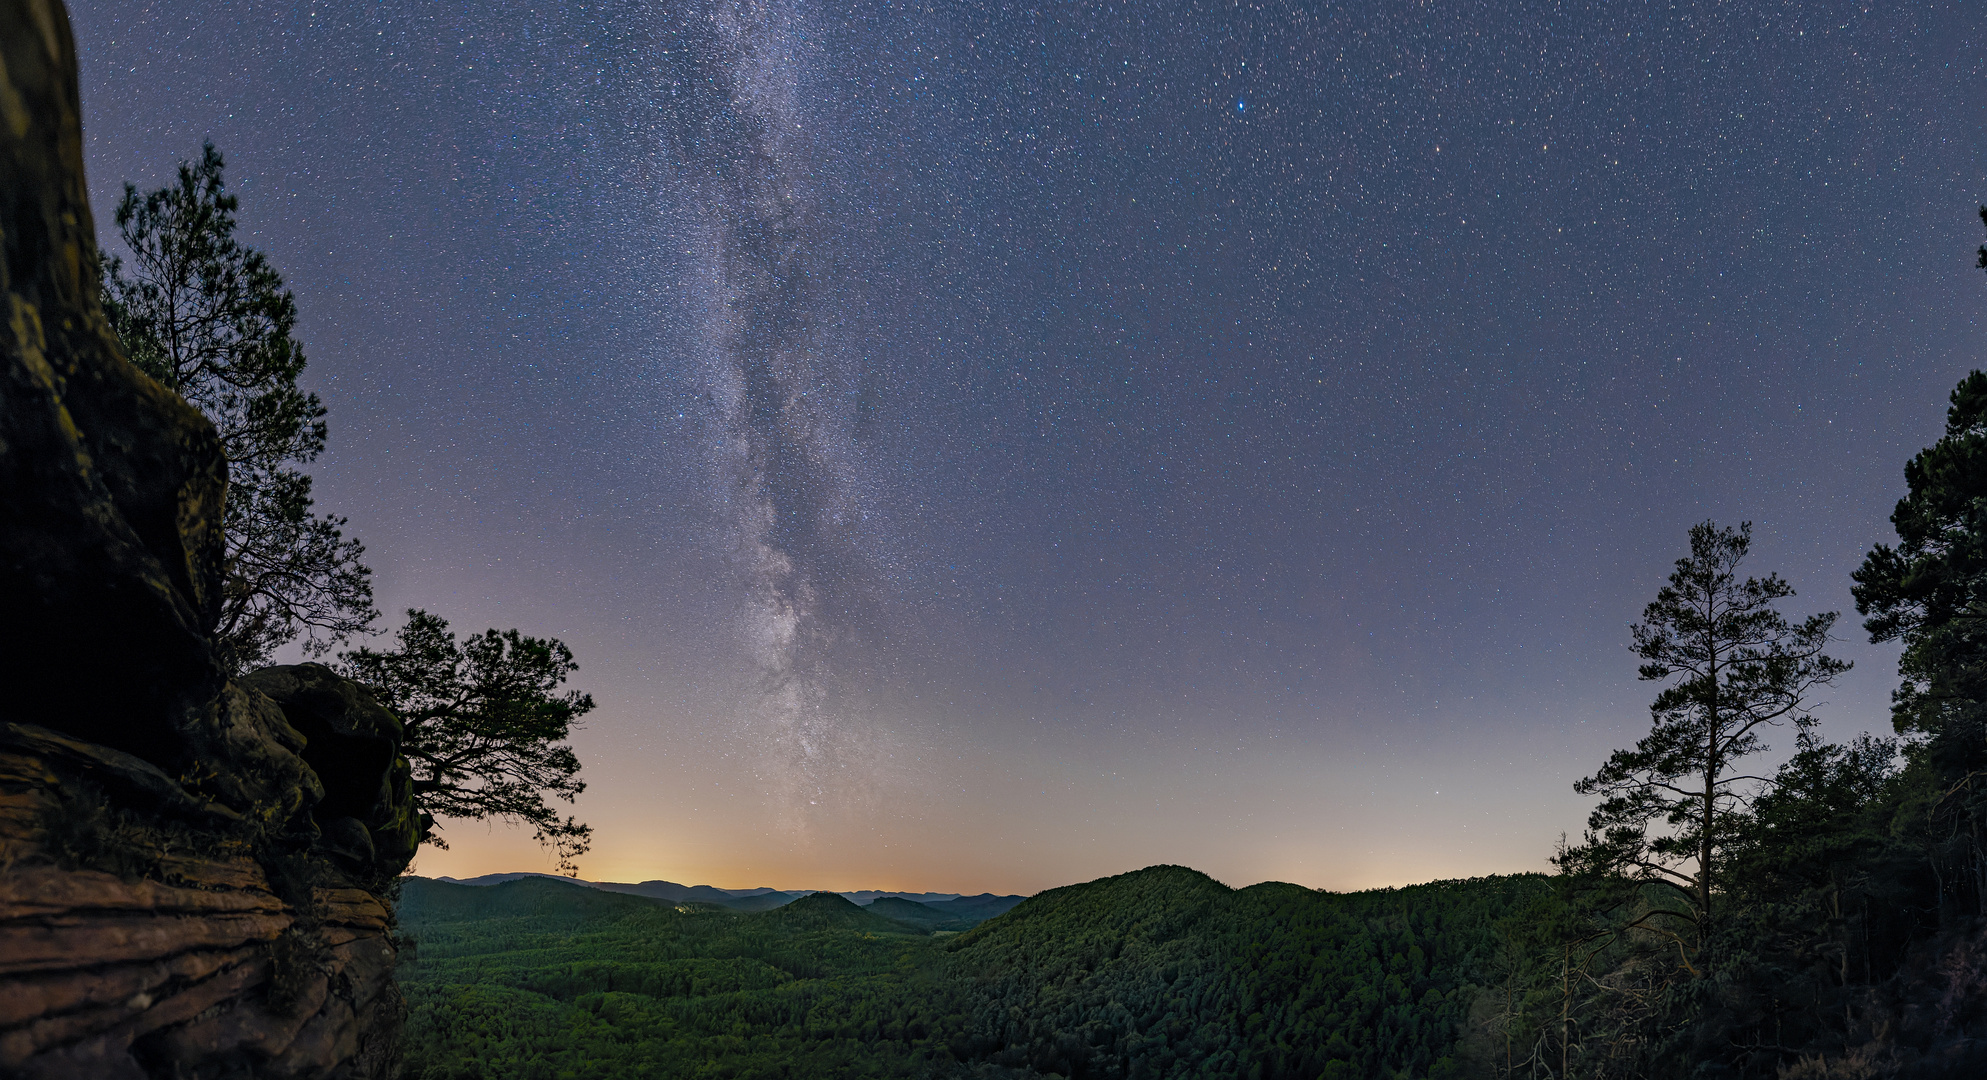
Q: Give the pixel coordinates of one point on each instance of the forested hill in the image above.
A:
(1166, 971)
(953, 911)
(1162, 972)
(542, 903)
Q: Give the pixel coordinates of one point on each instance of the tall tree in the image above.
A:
(485, 726)
(1930, 593)
(1673, 806)
(209, 318)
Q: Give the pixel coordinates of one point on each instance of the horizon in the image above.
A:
(480, 881)
(1189, 437)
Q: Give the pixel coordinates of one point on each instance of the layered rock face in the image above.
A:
(192, 869)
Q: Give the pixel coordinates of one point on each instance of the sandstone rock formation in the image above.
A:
(191, 869)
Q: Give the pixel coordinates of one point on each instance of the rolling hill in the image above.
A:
(968, 910)
(1162, 972)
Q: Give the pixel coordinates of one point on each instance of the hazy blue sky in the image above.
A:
(982, 449)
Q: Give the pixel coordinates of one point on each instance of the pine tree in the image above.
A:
(209, 318)
(1930, 593)
(484, 723)
(1674, 806)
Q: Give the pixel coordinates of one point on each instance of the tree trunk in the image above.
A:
(1565, 1007)
(1510, 1016)
(1711, 769)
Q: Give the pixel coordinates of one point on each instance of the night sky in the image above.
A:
(982, 450)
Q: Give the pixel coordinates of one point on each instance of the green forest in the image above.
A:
(1159, 973)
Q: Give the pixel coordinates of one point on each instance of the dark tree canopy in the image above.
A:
(1930, 593)
(1674, 806)
(210, 319)
(485, 726)
(1808, 835)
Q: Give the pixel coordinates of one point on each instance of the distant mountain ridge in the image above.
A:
(946, 909)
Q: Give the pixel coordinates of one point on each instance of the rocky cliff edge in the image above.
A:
(193, 870)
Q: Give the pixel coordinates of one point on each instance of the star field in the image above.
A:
(985, 449)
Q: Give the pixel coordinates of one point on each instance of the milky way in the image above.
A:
(972, 446)
(780, 385)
